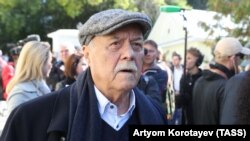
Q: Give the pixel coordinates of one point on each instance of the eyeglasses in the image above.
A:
(240, 55)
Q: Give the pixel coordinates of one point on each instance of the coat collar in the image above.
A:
(60, 114)
(76, 107)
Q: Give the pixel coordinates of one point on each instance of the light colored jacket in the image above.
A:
(26, 91)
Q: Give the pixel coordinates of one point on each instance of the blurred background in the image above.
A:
(20, 18)
(58, 20)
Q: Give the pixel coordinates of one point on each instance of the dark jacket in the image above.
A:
(64, 83)
(149, 86)
(184, 100)
(207, 96)
(69, 113)
(235, 107)
(161, 78)
(56, 75)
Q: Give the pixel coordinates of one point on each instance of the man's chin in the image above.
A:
(127, 81)
(127, 85)
(124, 76)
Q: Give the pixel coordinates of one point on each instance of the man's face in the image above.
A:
(191, 61)
(115, 60)
(151, 54)
(64, 53)
(176, 61)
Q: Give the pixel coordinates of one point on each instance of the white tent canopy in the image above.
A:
(169, 34)
(168, 28)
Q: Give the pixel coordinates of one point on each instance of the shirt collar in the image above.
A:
(103, 102)
(131, 102)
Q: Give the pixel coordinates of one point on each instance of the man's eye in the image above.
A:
(115, 45)
(137, 46)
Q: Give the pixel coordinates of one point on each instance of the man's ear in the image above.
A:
(232, 58)
(85, 50)
(235, 64)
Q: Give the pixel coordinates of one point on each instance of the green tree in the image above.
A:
(150, 7)
(238, 11)
(181, 3)
(19, 18)
(198, 4)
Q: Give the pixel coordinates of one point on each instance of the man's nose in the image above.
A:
(128, 51)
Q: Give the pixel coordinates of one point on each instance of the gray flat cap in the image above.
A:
(107, 21)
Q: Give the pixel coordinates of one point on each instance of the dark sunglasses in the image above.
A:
(145, 51)
(240, 55)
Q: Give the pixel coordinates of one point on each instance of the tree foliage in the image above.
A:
(181, 3)
(150, 7)
(19, 18)
(239, 13)
(198, 4)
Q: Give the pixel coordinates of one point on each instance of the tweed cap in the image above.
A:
(107, 21)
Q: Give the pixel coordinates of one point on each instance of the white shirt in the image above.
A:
(177, 77)
(108, 110)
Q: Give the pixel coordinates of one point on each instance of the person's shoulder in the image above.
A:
(46, 101)
(40, 106)
(156, 70)
(8, 67)
(162, 72)
(23, 88)
(237, 80)
(33, 110)
(42, 102)
(240, 76)
(35, 116)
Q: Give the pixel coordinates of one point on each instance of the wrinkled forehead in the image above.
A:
(133, 32)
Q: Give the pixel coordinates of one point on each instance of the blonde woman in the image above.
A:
(33, 66)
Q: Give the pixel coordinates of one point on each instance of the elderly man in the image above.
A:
(104, 100)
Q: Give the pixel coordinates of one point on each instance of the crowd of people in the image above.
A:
(119, 78)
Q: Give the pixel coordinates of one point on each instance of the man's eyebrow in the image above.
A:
(114, 37)
(138, 38)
